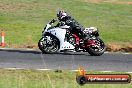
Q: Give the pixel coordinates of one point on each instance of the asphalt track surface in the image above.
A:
(31, 59)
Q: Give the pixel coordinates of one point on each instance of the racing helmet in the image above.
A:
(61, 14)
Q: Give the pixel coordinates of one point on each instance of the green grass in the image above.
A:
(23, 20)
(47, 79)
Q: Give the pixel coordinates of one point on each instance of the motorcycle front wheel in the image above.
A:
(48, 44)
(97, 49)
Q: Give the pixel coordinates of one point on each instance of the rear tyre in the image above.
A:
(48, 44)
(97, 50)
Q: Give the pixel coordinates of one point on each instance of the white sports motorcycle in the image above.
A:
(59, 39)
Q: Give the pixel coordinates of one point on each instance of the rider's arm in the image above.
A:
(72, 24)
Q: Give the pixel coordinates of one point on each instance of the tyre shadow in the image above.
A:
(39, 52)
(69, 53)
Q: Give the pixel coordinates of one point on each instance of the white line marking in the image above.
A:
(74, 70)
(129, 72)
(52, 69)
(106, 71)
(106, 52)
(14, 68)
(126, 53)
(43, 69)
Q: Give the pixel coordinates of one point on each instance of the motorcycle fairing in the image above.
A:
(60, 34)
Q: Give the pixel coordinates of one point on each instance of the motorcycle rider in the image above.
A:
(75, 27)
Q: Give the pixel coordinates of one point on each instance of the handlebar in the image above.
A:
(53, 21)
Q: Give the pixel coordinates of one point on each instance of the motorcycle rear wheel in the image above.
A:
(94, 51)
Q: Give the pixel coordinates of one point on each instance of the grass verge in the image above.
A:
(23, 20)
(47, 79)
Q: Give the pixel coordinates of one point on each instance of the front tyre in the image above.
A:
(48, 44)
(97, 49)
